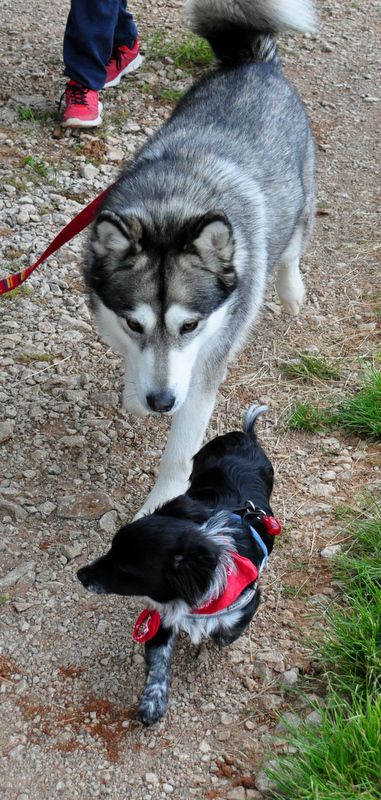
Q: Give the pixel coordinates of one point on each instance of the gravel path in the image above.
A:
(74, 465)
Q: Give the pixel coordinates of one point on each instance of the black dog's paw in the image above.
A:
(153, 705)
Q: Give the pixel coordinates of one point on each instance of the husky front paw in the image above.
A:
(153, 704)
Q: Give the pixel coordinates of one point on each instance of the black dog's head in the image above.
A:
(163, 558)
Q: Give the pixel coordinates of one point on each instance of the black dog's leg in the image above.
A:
(158, 654)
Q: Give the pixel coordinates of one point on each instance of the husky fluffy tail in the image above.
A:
(250, 418)
(242, 30)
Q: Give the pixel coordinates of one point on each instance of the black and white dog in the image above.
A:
(197, 558)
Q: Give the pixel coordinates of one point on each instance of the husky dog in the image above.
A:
(197, 558)
(217, 198)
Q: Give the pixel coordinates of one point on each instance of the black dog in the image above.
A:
(197, 558)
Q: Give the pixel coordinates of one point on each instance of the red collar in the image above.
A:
(148, 622)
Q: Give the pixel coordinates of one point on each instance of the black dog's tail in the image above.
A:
(243, 30)
(250, 418)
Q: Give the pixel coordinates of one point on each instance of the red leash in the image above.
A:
(76, 225)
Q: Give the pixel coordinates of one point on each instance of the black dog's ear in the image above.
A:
(191, 566)
(184, 507)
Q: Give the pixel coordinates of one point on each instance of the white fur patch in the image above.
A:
(146, 317)
(176, 316)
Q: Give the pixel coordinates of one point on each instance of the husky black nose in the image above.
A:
(161, 401)
(83, 575)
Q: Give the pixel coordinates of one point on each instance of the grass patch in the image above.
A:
(361, 413)
(340, 762)
(4, 599)
(307, 417)
(171, 95)
(307, 367)
(341, 759)
(26, 113)
(37, 165)
(28, 358)
(16, 294)
(187, 54)
(192, 52)
(292, 592)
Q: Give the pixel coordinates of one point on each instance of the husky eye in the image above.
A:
(134, 325)
(188, 327)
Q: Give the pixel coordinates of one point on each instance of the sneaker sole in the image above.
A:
(131, 67)
(76, 122)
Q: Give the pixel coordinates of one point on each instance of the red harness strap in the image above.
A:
(245, 572)
(76, 225)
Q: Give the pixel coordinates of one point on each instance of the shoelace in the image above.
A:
(77, 94)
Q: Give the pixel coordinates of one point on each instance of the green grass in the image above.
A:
(341, 759)
(187, 53)
(4, 599)
(306, 417)
(171, 95)
(192, 52)
(26, 113)
(307, 367)
(37, 165)
(16, 294)
(361, 413)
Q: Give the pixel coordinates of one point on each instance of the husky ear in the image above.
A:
(113, 235)
(191, 566)
(212, 236)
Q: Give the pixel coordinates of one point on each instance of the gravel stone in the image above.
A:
(290, 677)
(314, 718)
(331, 550)
(238, 793)
(87, 507)
(263, 783)
(288, 719)
(6, 430)
(12, 577)
(151, 777)
(108, 522)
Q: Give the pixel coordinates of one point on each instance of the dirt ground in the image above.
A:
(74, 464)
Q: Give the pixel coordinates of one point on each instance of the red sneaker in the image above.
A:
(83, 108)
(123, 60)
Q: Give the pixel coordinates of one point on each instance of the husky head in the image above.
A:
(161, 296)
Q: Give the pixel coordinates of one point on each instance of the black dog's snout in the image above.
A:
(161, 401)
(83, 575)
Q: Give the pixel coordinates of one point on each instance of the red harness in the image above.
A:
(245, 572)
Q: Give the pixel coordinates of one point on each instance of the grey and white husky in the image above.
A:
(217, 198)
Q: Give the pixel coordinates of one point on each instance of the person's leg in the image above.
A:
(126, 30)
(89, 40)
(125, 57)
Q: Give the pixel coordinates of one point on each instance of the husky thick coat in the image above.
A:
(219, 197)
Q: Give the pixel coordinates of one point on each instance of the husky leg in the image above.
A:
(187, 431)
(289, 282)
